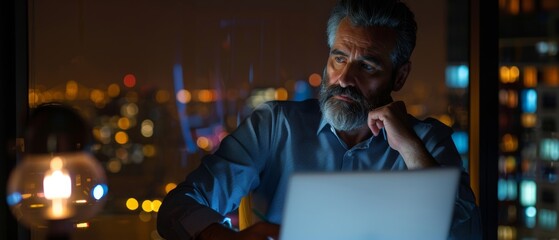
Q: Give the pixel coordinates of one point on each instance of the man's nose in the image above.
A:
(347, 78)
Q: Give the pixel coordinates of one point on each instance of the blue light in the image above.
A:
(303, 91)
(502, 189)
(549, 149)
(530, 220)
(460, 139)
(512, 191)
(99, 191)
(181, 110)
(530, 212)
(548, 219)
(457, 76)
(529, 101)
(13, 198)
(528, 193)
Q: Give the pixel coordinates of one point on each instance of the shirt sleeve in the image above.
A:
(217, 186)
(466, 217)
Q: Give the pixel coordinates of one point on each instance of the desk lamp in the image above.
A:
(58, 183)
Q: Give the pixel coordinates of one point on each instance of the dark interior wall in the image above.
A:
(13, 91)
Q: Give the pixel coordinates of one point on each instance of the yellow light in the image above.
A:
(204, 143)
(155, 205)
(82, 225)
(71, 90)
(26, 195)
(146, 206)
(315, 79)
(509, 143)
(170, 186)
(510, 164)
(96, 131)
(183, 96)
(129, 110)
(121, 137)
(506, 232)
(529, 120)
(33, 97)
(149, 150)
(81, 201)
(97, 96)
(281, 94)
(514, 73)
(113, 90)
(123, 123)
(57, 187)
(504, 74)
(147, 128)
(269, 94)
(132, 204)
(38, 205)
(447, 120)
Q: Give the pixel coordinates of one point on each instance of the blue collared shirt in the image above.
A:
(282, 137)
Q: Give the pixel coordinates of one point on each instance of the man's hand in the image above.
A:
(258, 231)
(399, 134)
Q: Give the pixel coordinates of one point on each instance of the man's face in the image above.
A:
(359, 75)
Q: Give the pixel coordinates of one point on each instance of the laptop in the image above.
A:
(408, 204)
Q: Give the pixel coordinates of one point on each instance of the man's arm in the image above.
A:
(216, 187)
(429, 145)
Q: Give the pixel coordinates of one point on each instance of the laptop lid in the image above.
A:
(411, 204)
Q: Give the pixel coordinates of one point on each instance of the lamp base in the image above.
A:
(59, 229)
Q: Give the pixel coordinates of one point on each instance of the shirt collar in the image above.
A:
(323, 124)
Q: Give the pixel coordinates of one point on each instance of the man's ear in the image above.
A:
(401, 76)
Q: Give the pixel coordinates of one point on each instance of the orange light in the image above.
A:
(113, 90)
(530, 76)
(281, 94)
(315, 79)
(205, 95)
(169, 187)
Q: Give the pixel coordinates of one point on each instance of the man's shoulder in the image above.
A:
(430, 125)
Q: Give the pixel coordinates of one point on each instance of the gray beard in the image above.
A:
(347, 116)
(342, 115)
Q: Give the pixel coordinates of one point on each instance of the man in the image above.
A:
(355, 125)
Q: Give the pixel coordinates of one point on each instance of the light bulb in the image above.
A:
(64, 186)
(58, 181)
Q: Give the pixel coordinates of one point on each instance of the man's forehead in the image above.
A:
(371, 40)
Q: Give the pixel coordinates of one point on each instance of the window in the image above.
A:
(162, 82)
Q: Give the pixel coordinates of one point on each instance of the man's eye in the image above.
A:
(368, 67)
(339, 59)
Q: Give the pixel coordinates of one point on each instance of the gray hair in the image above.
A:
(393, 14)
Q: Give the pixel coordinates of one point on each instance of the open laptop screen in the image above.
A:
(410, 204)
